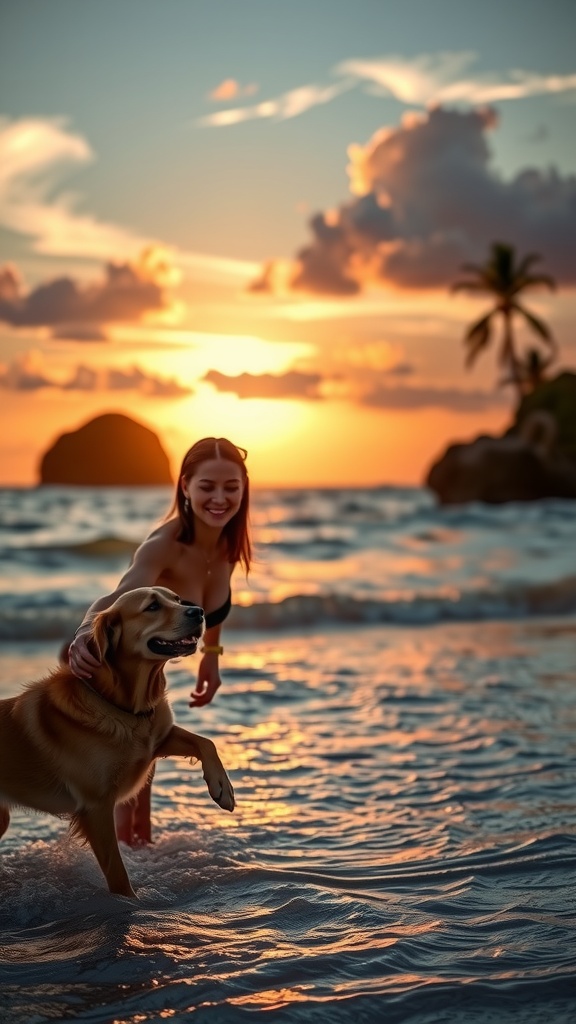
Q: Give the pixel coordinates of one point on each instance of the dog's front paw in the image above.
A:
(220, 787)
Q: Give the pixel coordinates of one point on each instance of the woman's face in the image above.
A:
(215, 491)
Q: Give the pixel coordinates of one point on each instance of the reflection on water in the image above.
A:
(404, 837)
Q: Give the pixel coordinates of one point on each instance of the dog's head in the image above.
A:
(151, 624)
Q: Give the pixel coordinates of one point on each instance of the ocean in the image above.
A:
(398, 719)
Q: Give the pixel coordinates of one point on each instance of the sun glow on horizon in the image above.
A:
(198, 352)
(260, 425)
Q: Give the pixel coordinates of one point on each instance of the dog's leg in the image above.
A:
(181, 743)
(97, 826)
(4, 819)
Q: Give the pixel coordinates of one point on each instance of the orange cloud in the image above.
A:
(127, 292)
(455, 399)
(290, 104)
(292, 384)
(426, 200)
(27, 373)
(230, 89)
(227, 90)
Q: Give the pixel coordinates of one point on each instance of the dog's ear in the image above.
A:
(106, 632)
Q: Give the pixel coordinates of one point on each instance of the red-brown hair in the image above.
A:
(237, 531)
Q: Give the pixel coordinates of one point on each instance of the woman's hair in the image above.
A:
(237, 531)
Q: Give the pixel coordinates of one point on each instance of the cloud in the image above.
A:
(127, 292)
(360, 388)
(27, 373)
(384, 397)
(79, 332)
(429, 79)
(426, 200)
(131, 379)
(229, 89)
(434, 79)
(293, 384)
(289, 104)
(34, 155)
(373, 389)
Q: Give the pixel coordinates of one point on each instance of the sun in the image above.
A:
(242, 353)
(191, 354)
(262, 426)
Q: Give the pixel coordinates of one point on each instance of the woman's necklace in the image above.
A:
(209, 559)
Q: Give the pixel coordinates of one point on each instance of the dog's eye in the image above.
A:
(153, 606)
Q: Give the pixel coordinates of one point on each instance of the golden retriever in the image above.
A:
(76, 749)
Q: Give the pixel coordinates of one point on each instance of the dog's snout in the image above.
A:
(193, 611)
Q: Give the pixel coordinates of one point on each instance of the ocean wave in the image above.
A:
(94, 548)
(46, 615)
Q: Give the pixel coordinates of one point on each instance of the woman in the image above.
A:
(194, 552)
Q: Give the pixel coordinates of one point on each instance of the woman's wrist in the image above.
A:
(213, 649)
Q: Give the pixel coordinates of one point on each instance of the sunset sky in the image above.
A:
(243, 218)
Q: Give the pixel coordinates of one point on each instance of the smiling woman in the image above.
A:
(193, 553)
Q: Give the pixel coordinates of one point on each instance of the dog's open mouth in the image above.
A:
(174, 648)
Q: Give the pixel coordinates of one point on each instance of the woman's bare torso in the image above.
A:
(189, 573)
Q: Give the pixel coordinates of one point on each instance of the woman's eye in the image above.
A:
(153, 606)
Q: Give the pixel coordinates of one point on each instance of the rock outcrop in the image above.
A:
(110, 450)
(558, 398)
(535, 458)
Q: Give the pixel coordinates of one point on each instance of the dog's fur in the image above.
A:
(76, 749)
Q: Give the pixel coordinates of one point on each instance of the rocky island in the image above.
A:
(111, 450)
(535, 457)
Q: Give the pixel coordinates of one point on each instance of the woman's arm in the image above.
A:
(208, 681)
(150, 560)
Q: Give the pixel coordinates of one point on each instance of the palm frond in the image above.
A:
(533, 279)
(536, 324)
(477, 337)
(526, 263)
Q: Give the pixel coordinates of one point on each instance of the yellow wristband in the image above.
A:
(213, 649)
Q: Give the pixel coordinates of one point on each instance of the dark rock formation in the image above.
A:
(557, 397)
(110, 450)
(535, 458)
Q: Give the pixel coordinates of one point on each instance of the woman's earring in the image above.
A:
(186, 505)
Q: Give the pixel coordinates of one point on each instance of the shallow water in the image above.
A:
(403, 848)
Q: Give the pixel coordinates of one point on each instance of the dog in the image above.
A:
(75, 749)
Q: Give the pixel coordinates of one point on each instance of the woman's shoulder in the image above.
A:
(163, 536)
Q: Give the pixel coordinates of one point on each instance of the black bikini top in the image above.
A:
(216, 617)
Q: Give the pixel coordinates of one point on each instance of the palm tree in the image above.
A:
(505, 279)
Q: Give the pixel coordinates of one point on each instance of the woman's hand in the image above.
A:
(208, 681)
(80, 658)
